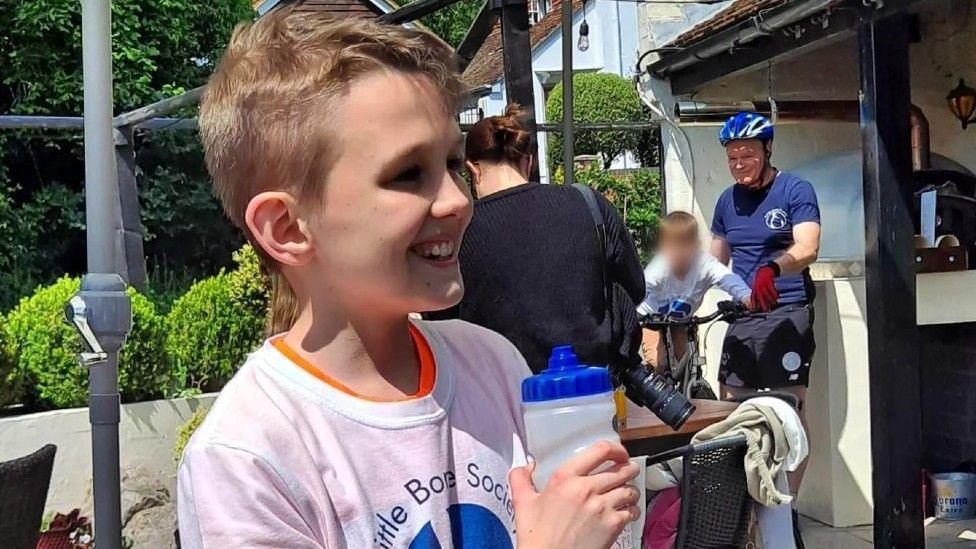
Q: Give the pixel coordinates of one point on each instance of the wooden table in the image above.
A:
(648, 435)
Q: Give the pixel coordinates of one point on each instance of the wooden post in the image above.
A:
(517, 60)
(891, 323)
(132, 261)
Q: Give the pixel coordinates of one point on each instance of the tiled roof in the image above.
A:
(737, 12)
(486, 67)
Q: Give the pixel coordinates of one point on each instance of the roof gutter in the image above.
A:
(756, 27)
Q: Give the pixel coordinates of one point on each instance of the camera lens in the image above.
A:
(652, 391)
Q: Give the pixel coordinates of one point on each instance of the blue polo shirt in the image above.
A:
(758, 226)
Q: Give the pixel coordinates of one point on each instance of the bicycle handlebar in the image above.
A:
(727, 311)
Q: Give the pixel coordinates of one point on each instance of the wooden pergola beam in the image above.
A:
(517, 61)
(890, 314)
(478, 32)
(414, 11)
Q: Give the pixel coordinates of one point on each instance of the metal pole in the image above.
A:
(100, 185)
(103, 303)
(567, 39)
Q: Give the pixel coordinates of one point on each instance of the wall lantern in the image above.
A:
(962, 103)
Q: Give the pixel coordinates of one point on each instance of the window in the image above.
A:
(470, 114)
(538, 9)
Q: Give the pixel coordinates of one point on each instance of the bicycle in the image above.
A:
(687, 374)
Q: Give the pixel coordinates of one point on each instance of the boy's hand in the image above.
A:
(747, 303)
(576, 509)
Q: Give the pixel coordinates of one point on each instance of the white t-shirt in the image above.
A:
(285, 460)
(662, 287)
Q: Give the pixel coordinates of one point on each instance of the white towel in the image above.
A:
(795, 434)
(776, 523)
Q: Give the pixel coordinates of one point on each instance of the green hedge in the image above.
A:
(46, 350)
(11, 382)
(637, 196)
(214, 325)
(197, 346)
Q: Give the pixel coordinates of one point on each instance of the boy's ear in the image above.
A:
(273, 221)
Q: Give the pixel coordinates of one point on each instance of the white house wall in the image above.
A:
(613, 48)
(665, 21)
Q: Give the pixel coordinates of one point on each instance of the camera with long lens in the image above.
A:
(647, 389)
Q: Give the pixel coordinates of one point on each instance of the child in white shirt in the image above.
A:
(676, 281)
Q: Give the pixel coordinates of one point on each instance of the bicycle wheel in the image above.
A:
(701, 389)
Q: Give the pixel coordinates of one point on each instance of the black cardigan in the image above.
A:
(533, 273)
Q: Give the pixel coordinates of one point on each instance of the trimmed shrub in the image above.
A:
(46, 350)
(601, 97)
(248, 285)
(213, 326)
(11, 380)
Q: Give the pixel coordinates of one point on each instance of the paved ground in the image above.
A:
(939, 534)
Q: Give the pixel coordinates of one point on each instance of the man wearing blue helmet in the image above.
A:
(768, 225)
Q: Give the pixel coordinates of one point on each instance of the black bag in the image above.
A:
(625, 333)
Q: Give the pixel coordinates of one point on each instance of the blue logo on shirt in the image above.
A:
(472, 527)
(776, 219)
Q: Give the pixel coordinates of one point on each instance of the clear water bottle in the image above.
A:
(566, 408)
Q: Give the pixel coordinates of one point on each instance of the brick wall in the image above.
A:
(948, 363)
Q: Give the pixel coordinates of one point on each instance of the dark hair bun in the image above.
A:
(499, 138)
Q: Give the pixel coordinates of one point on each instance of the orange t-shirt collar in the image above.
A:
(425, 357)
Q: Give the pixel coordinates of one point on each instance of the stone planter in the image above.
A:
(147, 435)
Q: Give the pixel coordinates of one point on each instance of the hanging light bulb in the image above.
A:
(584, 37)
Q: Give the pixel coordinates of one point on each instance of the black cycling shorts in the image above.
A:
(771, 350)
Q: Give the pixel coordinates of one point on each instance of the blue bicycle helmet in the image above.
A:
(746, 125)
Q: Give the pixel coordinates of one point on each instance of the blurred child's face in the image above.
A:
(680, 251)
(394, 207)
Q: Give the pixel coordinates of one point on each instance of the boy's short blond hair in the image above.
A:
(264, 117)
(679, 224)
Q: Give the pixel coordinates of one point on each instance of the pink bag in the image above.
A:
(661, 526)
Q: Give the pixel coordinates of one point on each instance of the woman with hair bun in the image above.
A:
(533, 266)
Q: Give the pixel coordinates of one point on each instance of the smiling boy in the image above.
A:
(334, 145)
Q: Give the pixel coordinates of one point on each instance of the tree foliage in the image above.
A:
(601, 97)
(159, 47)
(452, 23)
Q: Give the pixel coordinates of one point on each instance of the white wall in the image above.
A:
(837, 489)
(147, 435)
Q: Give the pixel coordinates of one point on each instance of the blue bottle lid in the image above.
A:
(565, 378)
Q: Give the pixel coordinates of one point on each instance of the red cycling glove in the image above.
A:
(764, 294)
